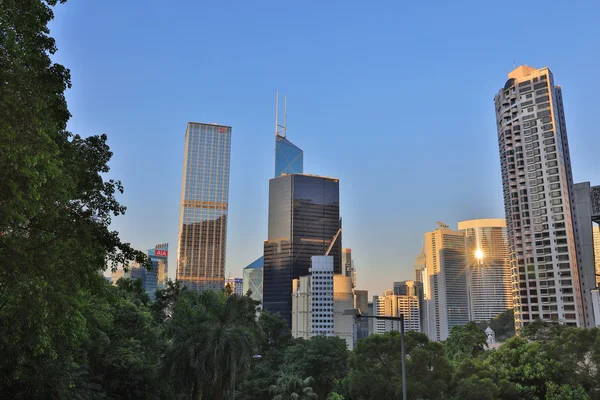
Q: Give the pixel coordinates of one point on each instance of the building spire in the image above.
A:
(280, 129)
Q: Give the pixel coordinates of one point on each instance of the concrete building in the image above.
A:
(488, 263)
(420, 266)
(204, 207)
(361, 301)
(319, 300)
(158, 276)
(446, 295)
(392, 305)
(412, 288)
(343, 299)
(538, 184)
(253, 280)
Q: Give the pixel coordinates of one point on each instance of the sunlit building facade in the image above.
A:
(488, 267)
(446, 297)
(157, 276)
(204, 207)
(348, 265)
(537, 182)
(391, 305)
(596, 235)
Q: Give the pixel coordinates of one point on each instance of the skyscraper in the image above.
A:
(361, 301)
(537, 183)
(157, 277)
(348, 265)
(446, 296)
(304, 219)
(289, 158)
(488, 267)
(253, 279)
(420, 266)
(392, 305)
(204, 205)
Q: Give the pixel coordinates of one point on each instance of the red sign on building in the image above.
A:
(161, 253)
(222, 130)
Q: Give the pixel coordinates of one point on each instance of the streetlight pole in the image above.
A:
(356, 313)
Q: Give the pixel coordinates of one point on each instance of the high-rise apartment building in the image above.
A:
(488, 267)
(204, 206)
(413, 288)
(253, 280)
(446, 295)
(538, 183)
(348, 265)
(392, 305)
(304, 220)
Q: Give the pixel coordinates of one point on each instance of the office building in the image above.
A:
(538, 184)
(371, 321)
(446, 297)
(118, 274)
(488, 267)
(361, 301)
(236, 285)
(348, 265)
(253, 280)
(312, 300)
(204, 205)
(157, 276)
(343, 299)
(304, 221)
(289, 158)
(392, 305)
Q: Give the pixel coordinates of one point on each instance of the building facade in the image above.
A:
(596, 235)
(289, 158)
(446, 297)
(204, 207)
(420, 266)
(488, 267)
(157, 277)
(236, 285)
(537, 182)
(304, 219)
(343, 299)
(361, 301)
(348, 265)
(392, 305)
(413, 288)
(253, 280)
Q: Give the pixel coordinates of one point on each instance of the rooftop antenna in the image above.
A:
(280, 129)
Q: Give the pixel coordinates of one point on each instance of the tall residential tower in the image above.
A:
(538, 200)
(204, 205)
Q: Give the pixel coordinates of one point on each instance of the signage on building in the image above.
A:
(222, 130)
(161, 253)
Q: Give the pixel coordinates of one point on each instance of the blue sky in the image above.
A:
(394, 98)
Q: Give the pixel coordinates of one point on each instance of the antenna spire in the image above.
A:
(280, 129)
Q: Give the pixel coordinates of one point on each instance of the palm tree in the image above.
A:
(291, 387)
(212, 340)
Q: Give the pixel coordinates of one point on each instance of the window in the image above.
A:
(549, 149)
(543, 113)
(540, 85)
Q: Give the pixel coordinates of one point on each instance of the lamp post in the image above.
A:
(357, 314)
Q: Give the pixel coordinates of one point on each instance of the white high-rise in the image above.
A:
(488, 263)
(445, 284)
(596, 233)
(537, 183)
(391, 305)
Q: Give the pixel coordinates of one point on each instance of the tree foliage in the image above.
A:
(466, 341)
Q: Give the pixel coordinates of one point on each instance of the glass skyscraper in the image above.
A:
(204, 204)
(304, 218)
(253, 279)
(156, 277)
(289, 158)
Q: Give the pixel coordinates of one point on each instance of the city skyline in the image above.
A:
(329, 116)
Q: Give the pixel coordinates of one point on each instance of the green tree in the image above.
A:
(465, 341)
(566, 392)
(502, 324)
(322, 357)
(55, 212)
(164, 300)
(376, 369)
(290, 387)
(213, 339)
